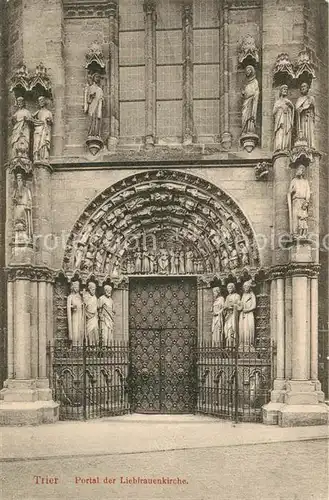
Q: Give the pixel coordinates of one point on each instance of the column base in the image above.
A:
(302, 415)
(28, 391)
(27, 413)
(270, 413)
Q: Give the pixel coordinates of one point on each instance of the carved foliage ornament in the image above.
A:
(161, 223)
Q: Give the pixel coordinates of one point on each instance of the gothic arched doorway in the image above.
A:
(155, 236)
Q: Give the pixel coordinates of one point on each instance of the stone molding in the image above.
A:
(89, 9)
(308, 270)
(30, 273)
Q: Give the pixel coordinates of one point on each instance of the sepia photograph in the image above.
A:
(164, 249)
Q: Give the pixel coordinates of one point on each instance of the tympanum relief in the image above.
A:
(161, 224)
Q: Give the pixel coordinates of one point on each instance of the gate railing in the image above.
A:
(89, 380)
(234, 382)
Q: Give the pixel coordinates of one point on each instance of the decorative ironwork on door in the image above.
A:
(162, 324)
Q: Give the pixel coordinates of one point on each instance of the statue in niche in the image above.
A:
(189, 264)
(305, 115)
(99, 260)
(217, 263)
(42, 120)
(75, 313)
(107, 265)
(106, 315)
(208, 266)
(225, 233)
(217, 328)
(224, 258)
(22, 200)
(78, 255)
(116, 268)
(152, 260)
(231, 315)
(138, 261)
(246, 320)
(163, 261)
(146, 262)
(298, 201)
(234, 258)
(91, 317)
(250, 96)
(234, 228)
(93, 105)
(244, 254)
(21, 133)
(283, 113)
(175, 265)
(89, 258)
(181, 267)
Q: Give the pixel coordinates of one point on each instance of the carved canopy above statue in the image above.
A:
(160, 222)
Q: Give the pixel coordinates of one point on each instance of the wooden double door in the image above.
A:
(162, 332)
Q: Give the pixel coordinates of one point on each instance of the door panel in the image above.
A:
(162, 324)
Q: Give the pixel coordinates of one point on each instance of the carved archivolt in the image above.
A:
(160, 222)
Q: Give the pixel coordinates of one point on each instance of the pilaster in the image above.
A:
(204, 307)
(188, 72)
(225, 134)
(114, 72)
(150, 71)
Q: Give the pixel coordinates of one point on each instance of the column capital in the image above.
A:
(277, 272)
(149, 7)
(43, 165)
(204, 281)
(299, 269)
(30, 273)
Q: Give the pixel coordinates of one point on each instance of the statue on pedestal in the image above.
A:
(283, 113)
(298, 201)
(217, 316)
(246, 319)
(21, 133)
(106, 315)
(42, 121)
(250, 95)
(93, 106)
(91, 318)
(74, 313)
(22, 200)
(231, 314)
(305, 115)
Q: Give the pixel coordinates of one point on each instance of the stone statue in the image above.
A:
(250, 96)
(302, 216)
(75, 313)
(91, 318)
(246, 319)
(21, 134)
(181, 267)
(93, 105)
(22, 200)
(234, 258)
(298, 200)
(283, 113)
(244, 254)
(163, 261)
(138, 261)
(231, 315)
(42, 121)
(224, 259)
(106, 315)
(305, 115)
(217, 316)
(189, 258)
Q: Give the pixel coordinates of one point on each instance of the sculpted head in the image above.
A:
(300, 172)
(108, 290)
(91, 288)
(250, 71)
(231, 287)
(247, 286)
(96, 78)
(216, 292)
(304, 88)
(75, 286)
(20, 102)
(19, 179)
(284, 90)
(41, 101)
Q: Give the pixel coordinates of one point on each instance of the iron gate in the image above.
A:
(89, 381)
(162, 329)
(234, 382)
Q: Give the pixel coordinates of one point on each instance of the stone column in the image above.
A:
(114, 73)
(188, 72)
(42, 214)
(150, 72)
(26, 395)
(204, 309)
(225, 135)
(121, 307)
(314, 329)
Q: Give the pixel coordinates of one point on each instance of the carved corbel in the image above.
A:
(262, 171)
